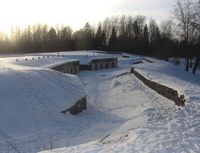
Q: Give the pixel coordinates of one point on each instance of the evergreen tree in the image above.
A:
(146, 39)
(98, 38)
(113, 39)
(52, 39)
(65, 38)
(103, 39)
(88, 36)
(51, 35)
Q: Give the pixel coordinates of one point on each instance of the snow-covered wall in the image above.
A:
(161, 89)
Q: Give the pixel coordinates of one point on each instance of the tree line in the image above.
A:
(179, 36)
(119, 33)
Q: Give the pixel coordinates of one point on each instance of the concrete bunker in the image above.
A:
(71, 67)
(99, 63)
(103, 63)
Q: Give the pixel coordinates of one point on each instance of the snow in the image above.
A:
(154, 126)
(49, 60)
(86, 58)
(31, 101)
(123, 114)
(44, 61)
(35, 93)
(181, 63)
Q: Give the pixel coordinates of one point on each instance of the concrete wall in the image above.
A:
(99, 64)
(78, 107)
(161, 89)
(70, 67)
(85, 67)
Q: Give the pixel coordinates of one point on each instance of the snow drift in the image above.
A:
(31, 99)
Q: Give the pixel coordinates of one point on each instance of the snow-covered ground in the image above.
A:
(123, 114)
(181, 63)
(158, 126)
(31, 101)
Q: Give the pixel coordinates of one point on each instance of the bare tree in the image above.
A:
(153, 30)
(166, 28)
(196, 25)
(183, 15)
(196, 17)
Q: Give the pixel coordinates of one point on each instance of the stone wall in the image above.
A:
(98, 64)
(78, 107)
(148, 60)
(161, 89)
(71, 67)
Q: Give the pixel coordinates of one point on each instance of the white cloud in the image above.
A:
(152, 8)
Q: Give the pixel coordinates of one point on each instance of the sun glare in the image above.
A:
(74, 13)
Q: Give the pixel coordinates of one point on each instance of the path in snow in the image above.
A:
(124, 97)
(166, 131)
(125, 104)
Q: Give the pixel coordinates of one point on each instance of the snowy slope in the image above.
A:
(31, 101)
(32, 98)
(45, 61)
(123, 114)
(162, 128)
(48, 60)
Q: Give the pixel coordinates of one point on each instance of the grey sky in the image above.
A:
(159, 9)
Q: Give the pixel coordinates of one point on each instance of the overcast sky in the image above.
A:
(76, 13)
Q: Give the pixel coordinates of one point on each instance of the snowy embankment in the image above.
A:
(123, 114)
(181, 63)
(31, 101)
(157, 127)
(43, 61)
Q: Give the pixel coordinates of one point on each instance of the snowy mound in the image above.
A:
(36, 94)
(44, 61)
(49, 60)
(31, 99)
